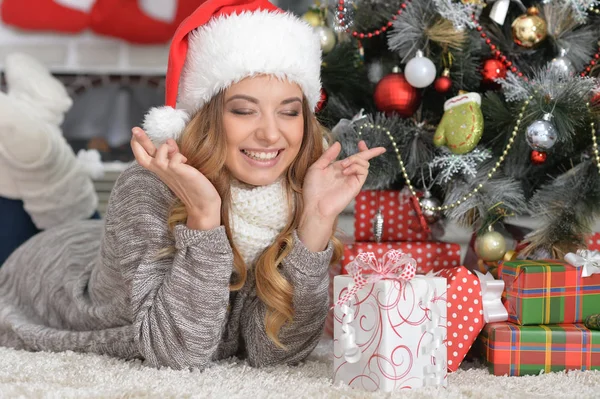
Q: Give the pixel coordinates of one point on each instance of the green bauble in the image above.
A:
(313, 17)
(461, 126)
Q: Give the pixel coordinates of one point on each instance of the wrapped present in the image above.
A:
(334, 270)
(593, 242)
(473, 300)
(548, 292)
(397, 212)
(430, 255)
(510, 349)
(390, 326)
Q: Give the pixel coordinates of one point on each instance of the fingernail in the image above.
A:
(345, 162)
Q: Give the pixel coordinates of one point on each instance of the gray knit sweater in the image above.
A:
(99, 287)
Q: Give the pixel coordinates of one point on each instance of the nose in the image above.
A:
(268, 131)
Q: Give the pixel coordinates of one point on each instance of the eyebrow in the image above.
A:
(255, 101)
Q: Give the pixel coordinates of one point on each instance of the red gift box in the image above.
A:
(430, 255)
(465, 313)
(593, 242)
(401, 221)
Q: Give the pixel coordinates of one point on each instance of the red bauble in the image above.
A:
(394, 94)
(322, 101)
(492, 69)
(538, 157)
(595, 99)
(443, 84)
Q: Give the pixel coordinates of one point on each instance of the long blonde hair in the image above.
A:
(203, 144)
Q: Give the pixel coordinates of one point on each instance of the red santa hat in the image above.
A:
(225, 41)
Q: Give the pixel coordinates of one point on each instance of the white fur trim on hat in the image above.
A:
(230, 48)
(161, 123)
(462, 99)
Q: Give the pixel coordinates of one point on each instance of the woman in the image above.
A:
(217, 241)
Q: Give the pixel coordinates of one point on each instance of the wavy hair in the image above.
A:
(203, 144)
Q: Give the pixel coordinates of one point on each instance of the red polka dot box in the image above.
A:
(593, 242)
(400, 219)
(430, 255)
(465, 313)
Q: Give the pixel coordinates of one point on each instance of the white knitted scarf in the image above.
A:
(258, 215)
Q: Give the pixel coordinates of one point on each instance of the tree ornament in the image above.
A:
(378, 222)
(541, 134)
(420, 71)
(443, 84)
(394, 94)
(492, 69)
(327, 38)
(462, 124)
(595, 97)
(322, 101)
(431, 216)
(538, 157)
(529, 29)
(490, 246)
(562, 64)
(499, 11)
(313, 17)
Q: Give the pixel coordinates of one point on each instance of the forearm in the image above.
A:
(206, 219)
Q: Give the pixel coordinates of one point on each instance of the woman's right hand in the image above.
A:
(201, 199)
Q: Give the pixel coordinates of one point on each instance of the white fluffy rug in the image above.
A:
(71, 375)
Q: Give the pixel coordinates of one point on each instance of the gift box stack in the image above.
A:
(547, 302)
(401, 227)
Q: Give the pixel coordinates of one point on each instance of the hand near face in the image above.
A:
(330, 185)
(201, 199)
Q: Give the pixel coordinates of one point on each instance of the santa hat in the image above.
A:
(225, 41)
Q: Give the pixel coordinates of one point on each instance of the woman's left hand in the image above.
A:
(329, 185)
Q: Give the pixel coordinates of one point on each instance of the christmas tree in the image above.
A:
(489, 109)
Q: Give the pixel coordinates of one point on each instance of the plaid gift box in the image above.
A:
(430, 255)
(548, 292)
(400, 219)
(510, 349)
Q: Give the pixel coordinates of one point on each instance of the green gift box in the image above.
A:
(513, 350)
(548, 292)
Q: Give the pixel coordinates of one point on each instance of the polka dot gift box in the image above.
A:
(400, 219)
(468, 309)
(593, 242)
(430, 255)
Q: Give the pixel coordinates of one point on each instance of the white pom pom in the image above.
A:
(162, 123)
(91, 162)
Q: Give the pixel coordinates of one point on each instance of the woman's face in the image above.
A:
(264, 127)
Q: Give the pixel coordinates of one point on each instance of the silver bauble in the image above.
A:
(430, 215)
(419, 71)
(563, 66)
(327, 38)
(541, 134)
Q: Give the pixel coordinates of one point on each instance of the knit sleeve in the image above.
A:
(179, 302)
(308, 273)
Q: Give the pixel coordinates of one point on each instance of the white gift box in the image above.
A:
(391, 335)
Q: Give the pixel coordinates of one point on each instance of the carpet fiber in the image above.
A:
(71, 375)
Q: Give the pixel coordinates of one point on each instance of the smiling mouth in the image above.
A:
(262, 156)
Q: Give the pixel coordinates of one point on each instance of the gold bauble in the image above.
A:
(326, 37)
(529, 29)
(313, 17)
(490, 246)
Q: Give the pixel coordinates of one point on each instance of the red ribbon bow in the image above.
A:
(395, 265)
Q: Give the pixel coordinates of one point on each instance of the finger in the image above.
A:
(328, 156)
(140, 154)
(161, 158)
(362, 146)
(177, 159)
(371, 153)
(355, 169)
(141, 137)
(354, 159)
(173, 147)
